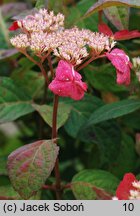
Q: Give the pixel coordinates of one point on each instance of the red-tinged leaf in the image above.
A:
(103, 28)
(126, 35)
(30, 165)
(94, 184)
(102, 194)
(12, 9)
(7, 53)
(118, 16)
(102, 4)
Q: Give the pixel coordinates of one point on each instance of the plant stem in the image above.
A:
(43, 72)
(54, 136)
(39, 64)
(89, 61)
(50, 65)
(100, 13)
(49, 187)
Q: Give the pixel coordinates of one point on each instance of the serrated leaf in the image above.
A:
(118, 16)
(46, 111)
(30, 165)
(113, 110)
(14, 102)
(102, 4)
(94, 184)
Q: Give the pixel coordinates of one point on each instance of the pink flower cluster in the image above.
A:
(44, 33)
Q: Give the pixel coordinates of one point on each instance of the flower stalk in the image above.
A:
(54, 137)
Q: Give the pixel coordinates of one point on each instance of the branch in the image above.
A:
(89, 61)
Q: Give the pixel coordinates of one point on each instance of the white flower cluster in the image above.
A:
(44, 32)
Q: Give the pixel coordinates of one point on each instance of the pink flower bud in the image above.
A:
(122, 64)
(67, 82)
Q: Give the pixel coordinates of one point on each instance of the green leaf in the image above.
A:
(46, 111)
(107, 136)
(76, 13)
(81, 111)
(24, 78)
(113, 110)
(118, 16)
(132, 120)
(3, 164)
(94, 184)
(14, 102)
(102, 4)
(41, 4)
(7, 192)
(97, 77)
(30, 165)
(126, 160)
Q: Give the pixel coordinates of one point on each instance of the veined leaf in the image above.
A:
(46, 111)
(118, 16)
(102, 4)
(94, 184)
(30, 165)
(7, 192)
(14, 102)
(81, 110)
(113, 110)
(41, 4)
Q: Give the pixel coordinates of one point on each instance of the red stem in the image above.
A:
(43, 72)
(48, 187)
(100, 13)
(89, 61)
(50, 65)
(54, 136)
(39, 64)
